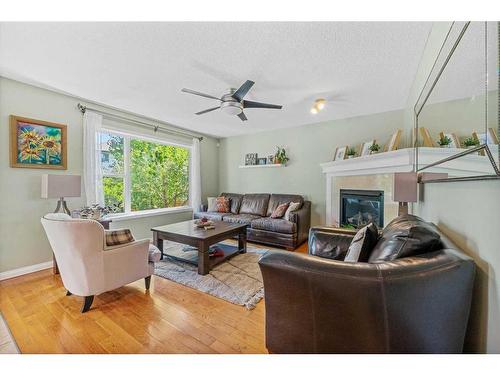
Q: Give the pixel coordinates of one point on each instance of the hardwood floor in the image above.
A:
(170, 318)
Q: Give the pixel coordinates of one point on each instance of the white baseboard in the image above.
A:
(25, 270)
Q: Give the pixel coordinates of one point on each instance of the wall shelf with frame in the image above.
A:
(262, 166)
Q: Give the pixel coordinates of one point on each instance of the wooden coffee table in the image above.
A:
(187, 233)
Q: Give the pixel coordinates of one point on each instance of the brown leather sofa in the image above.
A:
(319, 304)
(255, 210)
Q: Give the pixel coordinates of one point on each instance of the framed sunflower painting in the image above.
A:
(37, 144)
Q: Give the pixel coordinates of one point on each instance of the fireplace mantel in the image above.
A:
(403, 161)
(399, 161)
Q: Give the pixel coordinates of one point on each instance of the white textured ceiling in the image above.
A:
(359, 67)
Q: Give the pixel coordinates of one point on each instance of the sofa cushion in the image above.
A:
(240, 219)
(274, 225)
(362, 244)
(254, 204)
(277, 199)
(214, 216)
(235, 201)
(405, 236)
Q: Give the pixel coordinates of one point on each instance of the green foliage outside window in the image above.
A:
(159, 174)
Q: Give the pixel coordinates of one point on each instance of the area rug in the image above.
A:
(237, 280)
(7, 343)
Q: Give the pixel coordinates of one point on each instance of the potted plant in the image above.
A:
(97, 212)
(374, 148)
(445, 142)
(351, 152)
(471, 142)
(280, 157)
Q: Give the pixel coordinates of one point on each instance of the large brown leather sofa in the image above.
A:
(317, 303)
(255, 210)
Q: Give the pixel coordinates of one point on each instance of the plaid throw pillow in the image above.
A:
(223, 204)
(280, 210)
(118, 237)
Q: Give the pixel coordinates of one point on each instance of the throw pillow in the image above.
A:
(211, 206)
(118, 237)
(222, 204)
(406, 236)
(294, 206)
(280, 211)
(362, 244)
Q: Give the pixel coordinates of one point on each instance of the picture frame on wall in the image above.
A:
(251, 159)
(365, 148)
(340, 153)
(261, 161)
(37, 143)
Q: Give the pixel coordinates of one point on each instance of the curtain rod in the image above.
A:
(156, 128)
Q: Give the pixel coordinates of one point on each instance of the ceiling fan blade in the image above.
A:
(250, 104)
(243, 90)
(207, 110)
(189, 91)
(242, 116)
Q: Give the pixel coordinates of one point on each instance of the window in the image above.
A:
(143, 174)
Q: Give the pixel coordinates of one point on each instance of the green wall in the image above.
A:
(22, 240)
(307, 146)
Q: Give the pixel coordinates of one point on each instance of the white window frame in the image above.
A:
(127, 184)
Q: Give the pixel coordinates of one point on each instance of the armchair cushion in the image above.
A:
(118, 237)
(329, 242)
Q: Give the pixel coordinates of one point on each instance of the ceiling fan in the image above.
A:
(232, 102)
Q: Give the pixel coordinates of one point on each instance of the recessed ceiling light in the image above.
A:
(314, 110)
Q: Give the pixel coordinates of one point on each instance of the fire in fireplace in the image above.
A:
(360, 207)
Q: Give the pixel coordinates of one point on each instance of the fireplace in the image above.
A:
(360, 207)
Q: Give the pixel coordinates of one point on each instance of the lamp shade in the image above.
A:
(405, 187)
(61, 186)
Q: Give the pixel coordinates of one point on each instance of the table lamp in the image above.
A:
(60, 187)
(405, 190)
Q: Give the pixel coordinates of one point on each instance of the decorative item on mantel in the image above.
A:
(374, 148)
(351, 152)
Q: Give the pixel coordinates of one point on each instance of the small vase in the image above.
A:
(350, 156)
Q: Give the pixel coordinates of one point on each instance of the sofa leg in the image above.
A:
(147, 281)
(87, 302)
(68, 293)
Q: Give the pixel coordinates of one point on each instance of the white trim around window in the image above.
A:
(127, 194)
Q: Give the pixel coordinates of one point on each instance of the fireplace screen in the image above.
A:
(360, 207)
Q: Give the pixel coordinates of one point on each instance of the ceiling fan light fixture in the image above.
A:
(231, 108)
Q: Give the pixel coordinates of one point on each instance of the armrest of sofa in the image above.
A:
(328, 242)
(302, 218)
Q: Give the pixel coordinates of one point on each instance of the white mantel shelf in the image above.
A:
(404, 160)
(262, 166)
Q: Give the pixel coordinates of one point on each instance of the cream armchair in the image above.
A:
(87, 266)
